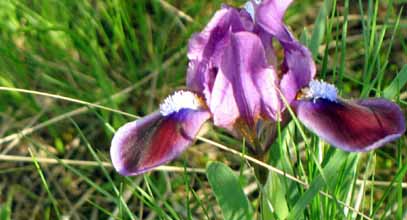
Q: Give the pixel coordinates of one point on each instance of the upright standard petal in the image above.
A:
(359, 125)
(205, 44)
(247, 81)
(269, 15)
(146, 143)
(206, 48)
(223, 104)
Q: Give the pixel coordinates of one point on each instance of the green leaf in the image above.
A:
(5, 208)
(274, 201)
(330, 173)
(319, 27)
(397, 84)
(228, 192)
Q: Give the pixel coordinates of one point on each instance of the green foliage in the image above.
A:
(328, 177)
(228, 192)
(397, 85)
(274, 201)
(319, 30)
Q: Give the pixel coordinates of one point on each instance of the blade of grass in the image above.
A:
(45, 184)
(6, 207)
(330, 172)
(397, 178)
(319, 27)
(344, 36)
(105, 172)
(392, 90)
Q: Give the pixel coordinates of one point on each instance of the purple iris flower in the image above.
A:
(234, 79)
(352, 125)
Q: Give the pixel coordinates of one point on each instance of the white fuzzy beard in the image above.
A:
(179, 100)
(320, 89)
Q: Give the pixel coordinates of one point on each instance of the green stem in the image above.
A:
(260, 172)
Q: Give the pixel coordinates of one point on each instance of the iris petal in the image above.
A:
(267, 40)
(360, 125)
(205, 49)
(270, 14)
(300, 69)
(246, 81)
(223, 105)
(141, 145)
(205, 44)
(298, 66)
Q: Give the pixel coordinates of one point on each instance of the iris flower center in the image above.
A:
(180, 100)
(320, 89)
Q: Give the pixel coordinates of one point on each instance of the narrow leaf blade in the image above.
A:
(397, 84)
(329, 174)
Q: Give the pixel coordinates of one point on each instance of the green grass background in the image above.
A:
(128, 55)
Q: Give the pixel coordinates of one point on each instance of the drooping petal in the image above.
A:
(246, 81)
(300, 69)
(360, 125)
(298, 66)
(141, 145)
(269, 15)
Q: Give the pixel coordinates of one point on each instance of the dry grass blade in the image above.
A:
(176, 11)
(46, 160)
